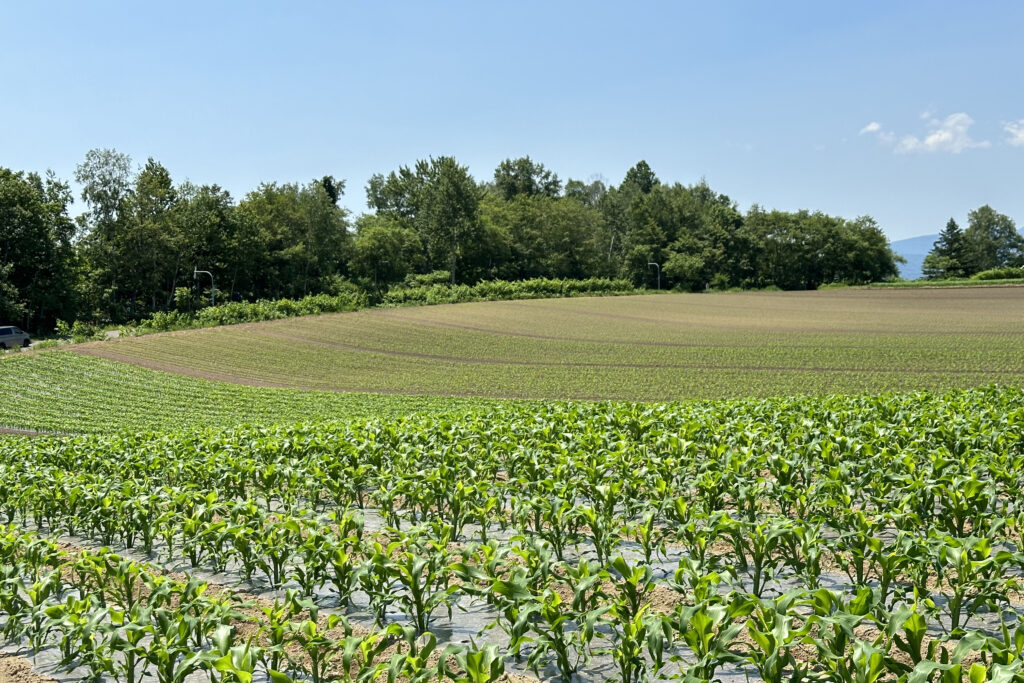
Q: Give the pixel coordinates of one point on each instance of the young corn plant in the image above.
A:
(376, 579)
(774, 631)
(756, 546)
(132, 627)
(907, 629)
(424, 575)
(275, 628)
(236, 663)
(315, 552)
(841, 655)
(319, 649)
(169, 652)
(478, 665)
(561, 633)
(976, 576)
(413, 664)
(38, 625)
(646, 533)
(709, 630)
(554, 522)
(634, 631)
(276, 547)
(511, 598)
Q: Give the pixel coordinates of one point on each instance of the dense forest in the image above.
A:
(134, 249)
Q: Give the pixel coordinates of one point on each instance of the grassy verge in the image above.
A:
(963, 282)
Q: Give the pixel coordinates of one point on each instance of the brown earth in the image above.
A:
(17, 669)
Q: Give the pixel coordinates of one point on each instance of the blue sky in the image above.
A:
(905, 111)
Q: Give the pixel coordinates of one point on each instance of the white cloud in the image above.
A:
(950, 135)
(872, 127)
(1016, 131)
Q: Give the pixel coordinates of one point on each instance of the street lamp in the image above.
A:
(196, 273)
(659, 272)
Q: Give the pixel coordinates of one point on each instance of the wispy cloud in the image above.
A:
(1015, 129)
(947, 135)
(950, 135)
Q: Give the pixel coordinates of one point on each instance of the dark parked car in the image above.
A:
(11, 336)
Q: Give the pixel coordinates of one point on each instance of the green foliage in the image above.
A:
(948, 257)
(1008, 273)
(991, 241)
(918, 496)
(109, 397)
(38, 267)
(525, 177)
(143, 236)
(500, 290)
(439, 200)
(233, 313)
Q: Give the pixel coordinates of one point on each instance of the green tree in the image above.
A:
(384, 251)
(207, 237)
(948, 257)
(640, 177)
(291, 240)
(523, 176)
(150, 237)
(589, 194)
(992, 241)
(547, 237)
(106, 179)
(438, 199)
(37, 262)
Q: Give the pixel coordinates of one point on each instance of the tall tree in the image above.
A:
(640, 177)
(106, 179)
(384, 251)
(292, 239)
(948, 257)
(150, 237)
(547, 237)
(37, 262)
(992, 240)
(438, 199)
(523, 176)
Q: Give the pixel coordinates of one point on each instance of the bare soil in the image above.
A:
(17, 669)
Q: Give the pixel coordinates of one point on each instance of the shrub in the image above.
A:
(350, 298)
(1009, 273)
(235, 312)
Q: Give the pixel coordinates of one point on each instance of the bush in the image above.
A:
(349, 298)
(235, 312)
(500, 290)
(437, 277)
(82, 331)
(1010, 273)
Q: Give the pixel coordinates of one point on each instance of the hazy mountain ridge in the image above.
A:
(914, 249)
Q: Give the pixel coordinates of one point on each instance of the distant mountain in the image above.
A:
(914, 249)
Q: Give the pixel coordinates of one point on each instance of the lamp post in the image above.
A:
(196, 273)
(659, 272)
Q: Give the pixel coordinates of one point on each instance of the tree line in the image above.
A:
(990, 242)
(134, 249)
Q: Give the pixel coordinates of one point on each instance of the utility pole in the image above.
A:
(659, 272)
(196, 273)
